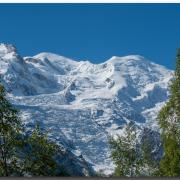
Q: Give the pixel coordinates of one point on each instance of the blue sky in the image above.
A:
(93, 32)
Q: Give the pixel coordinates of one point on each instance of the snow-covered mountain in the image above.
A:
(80, 103)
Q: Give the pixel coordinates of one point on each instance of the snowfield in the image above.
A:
(79, 103)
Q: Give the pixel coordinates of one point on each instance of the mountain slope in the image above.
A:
(81, 103)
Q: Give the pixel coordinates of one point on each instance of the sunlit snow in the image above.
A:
(80, 103)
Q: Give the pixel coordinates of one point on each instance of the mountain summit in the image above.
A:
(81, 103)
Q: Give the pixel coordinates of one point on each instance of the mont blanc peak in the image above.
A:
(83, 103)
(115, 59)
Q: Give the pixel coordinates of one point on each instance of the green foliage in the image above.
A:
(40, 155)
(149, 163)
(125, 154)
(22, 155)
(169, 122)
(132, 154)
(10, 129)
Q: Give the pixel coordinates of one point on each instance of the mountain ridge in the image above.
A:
(83, 103)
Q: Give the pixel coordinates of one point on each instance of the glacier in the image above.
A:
(81, 104)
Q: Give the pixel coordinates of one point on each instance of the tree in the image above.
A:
(169, 122)
(22, 154)
(40, 156)
(150, 147)
(133, 152)
(125, 153)
(10, 129)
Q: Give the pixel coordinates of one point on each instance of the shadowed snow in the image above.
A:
(81, 103)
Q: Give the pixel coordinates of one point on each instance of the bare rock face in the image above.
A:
(83, 103)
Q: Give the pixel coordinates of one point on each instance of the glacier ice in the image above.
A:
(79, 103)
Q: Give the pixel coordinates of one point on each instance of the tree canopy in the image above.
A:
(169, 122)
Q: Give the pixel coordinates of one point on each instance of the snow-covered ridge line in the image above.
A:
(81, 103)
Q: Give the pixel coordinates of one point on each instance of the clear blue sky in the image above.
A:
(93, 32)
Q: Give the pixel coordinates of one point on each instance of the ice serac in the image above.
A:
(81, 103)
